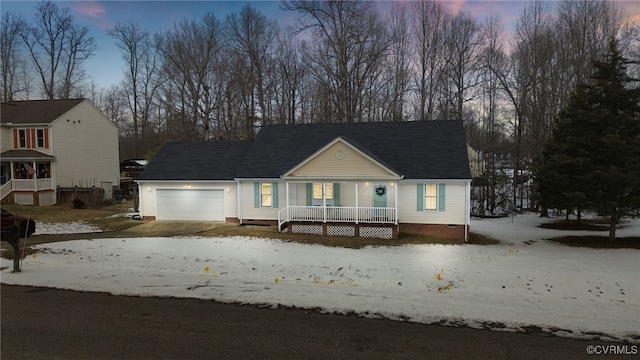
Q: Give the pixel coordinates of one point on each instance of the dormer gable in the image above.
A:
(341, 159)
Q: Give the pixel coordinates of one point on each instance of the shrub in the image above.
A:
(77, 203)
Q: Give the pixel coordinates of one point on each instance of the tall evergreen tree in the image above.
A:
(593, 158)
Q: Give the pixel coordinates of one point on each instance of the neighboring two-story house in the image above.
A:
(46, 144)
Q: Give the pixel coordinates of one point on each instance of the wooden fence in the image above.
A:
(92, 197)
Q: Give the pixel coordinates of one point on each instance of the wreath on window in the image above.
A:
(380, 191)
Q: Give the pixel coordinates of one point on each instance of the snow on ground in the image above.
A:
(75, 227)
(574, 292)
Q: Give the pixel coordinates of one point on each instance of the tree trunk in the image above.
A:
(612, 228)
(544, 211)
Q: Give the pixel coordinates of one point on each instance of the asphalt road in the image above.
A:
(44, 323)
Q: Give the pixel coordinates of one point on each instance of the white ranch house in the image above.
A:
(365, 179)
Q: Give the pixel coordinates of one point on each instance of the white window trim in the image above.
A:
(426, 208)
(262, 195)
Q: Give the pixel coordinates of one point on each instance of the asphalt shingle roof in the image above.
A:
(24, 154)
(196, 161)
(35, 111)
(417, 150)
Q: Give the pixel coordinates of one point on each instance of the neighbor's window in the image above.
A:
(265, 195)
(317, 191)
(430, 196)
(40, 137)
(22, 138)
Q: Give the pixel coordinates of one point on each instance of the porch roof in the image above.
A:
(22, 155)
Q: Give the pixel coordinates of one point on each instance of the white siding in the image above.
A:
(148, 189)
(249, 211)
(454, 211)
(349, 162)
(347, 193)
(85, 144)
(6, 139)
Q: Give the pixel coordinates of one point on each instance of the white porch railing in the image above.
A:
(25, 185)
(6, 189)
(348, 214)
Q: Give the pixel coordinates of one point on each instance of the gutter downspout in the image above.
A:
(467, 208)
(239, 190)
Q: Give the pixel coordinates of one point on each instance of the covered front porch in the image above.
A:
(28, 179)
(347, 208)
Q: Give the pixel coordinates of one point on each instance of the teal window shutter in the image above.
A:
(256, 194)
(274, 194)
(441, 197)
(309, 194)
(336, 194)
(420, 197)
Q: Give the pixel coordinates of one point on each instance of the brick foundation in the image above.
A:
(455, 232)
(232, 220)
(258, 222)
(9, 199)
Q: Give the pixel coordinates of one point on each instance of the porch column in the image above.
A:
(287, 187)
(357, 210)
(324, 202)
(396, 195)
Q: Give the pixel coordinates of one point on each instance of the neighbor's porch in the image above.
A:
(348, 208)
(29, 180)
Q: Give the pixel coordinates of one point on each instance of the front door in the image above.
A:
(380, 195)
(379, 201)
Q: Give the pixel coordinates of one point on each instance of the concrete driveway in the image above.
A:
(167, 228)
(146, 229)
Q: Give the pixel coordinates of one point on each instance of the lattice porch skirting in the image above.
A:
(357, 230)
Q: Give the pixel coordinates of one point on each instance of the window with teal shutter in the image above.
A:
(431, 197)
(256, 195)
(274, 192)
(420, 197)
(309, 194)
(336, 194)
(441, 197)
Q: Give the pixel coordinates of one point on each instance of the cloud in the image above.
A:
(455, 5)
(92, 12)
(91, 9)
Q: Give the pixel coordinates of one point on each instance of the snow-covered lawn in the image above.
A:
(76, 227)
(576, 292)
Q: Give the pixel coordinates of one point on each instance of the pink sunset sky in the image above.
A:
(154, 16)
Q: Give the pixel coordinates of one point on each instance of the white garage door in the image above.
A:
(193, 205)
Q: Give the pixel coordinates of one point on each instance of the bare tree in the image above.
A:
(489, 139)
(464, 44)
(140, 82)
(585, 28)
(290, 74)
(397, 79)
(350, 42)
(252, 37)
(630, 46)
(12, 26)
(58, 48)
(191, 54)
(429, 27)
